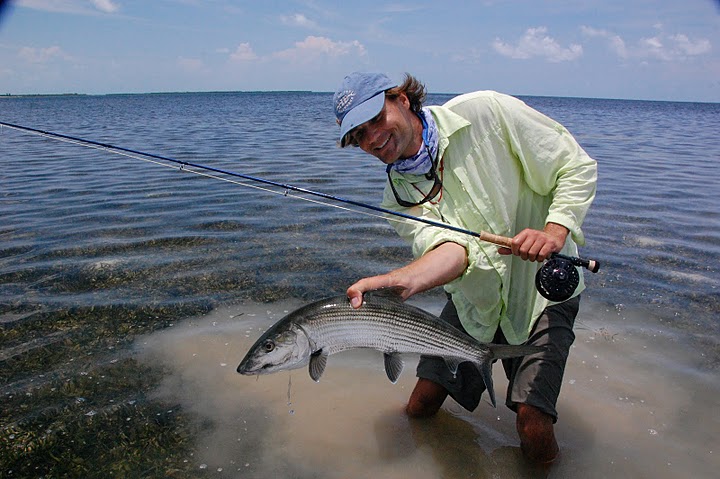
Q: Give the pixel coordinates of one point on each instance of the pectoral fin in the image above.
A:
(318, 361)
(393, 366)
(453, 364)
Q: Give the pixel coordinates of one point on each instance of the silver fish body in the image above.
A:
(313, 332)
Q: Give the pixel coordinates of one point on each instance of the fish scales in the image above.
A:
(308, 335)
(405, 331)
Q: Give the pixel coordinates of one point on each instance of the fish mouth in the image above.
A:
(246, 369)
(252, 370)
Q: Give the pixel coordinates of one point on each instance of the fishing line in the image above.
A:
(556, 280)
(184, 167)
(201, 170)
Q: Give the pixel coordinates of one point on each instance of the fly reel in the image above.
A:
(558, 278)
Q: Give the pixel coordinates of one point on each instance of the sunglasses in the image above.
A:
(430, 175)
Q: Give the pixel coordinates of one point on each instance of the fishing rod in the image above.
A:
(556, 279)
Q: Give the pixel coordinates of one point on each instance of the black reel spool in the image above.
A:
(558, 278)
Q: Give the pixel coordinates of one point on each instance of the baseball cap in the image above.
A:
(359, 99)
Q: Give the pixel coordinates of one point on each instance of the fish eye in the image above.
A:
(268, 346)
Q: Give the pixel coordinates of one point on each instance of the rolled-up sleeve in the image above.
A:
(420, 236)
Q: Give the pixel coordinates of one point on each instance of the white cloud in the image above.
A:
(536, 43)
(314, 47)
(106, 6)
(661, 47)
(684, 45)
(652, 47)
(38, 56)
(298, 20)
(617, 44)
(83, 7)
(401, 8)
(243, 53)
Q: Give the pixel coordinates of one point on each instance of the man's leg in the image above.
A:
(537, 436)
(426, 399)
(535, 428)
(436, 381)
(535, 381)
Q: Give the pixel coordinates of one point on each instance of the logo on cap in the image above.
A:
(344, 101)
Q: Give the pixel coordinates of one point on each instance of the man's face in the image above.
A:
(395, 133)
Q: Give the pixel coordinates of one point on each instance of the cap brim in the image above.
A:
(363, 112)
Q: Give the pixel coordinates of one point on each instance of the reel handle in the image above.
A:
(590, 264)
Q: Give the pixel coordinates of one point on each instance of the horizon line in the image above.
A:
(190, 92)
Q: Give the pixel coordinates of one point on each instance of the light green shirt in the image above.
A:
(505, 167)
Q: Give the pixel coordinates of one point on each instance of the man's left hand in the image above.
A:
(536, 245)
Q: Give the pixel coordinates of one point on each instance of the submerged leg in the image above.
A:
(426, 399)
(536, 380)
(537, 435)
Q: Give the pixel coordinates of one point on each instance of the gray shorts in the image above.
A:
(534, 380)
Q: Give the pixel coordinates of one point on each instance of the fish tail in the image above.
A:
(485, 369)
(500, 351)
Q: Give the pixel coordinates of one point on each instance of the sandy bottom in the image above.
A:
(634, 404)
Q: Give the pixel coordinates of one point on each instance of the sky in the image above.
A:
(627, 49)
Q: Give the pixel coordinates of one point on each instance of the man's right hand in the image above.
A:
(436, 268)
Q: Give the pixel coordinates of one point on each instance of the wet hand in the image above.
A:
(435, 268)
(356, 291)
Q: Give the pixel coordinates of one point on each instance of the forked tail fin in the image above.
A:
(485, 369)
(501, 351)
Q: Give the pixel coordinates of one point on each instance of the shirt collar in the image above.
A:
(448, 123)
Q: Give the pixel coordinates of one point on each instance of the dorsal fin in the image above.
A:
(394, 293)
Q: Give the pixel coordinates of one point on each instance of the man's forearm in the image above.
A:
(443, 264)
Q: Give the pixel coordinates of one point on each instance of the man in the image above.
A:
(484, 161)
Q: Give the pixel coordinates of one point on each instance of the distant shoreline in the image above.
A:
(521, 96)
(42, 95)
(39, 95)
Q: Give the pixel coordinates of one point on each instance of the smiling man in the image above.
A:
(483, 161)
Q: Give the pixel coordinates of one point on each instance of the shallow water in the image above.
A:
(634, 404)
(97, 250)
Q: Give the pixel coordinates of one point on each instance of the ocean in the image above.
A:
(129, 292)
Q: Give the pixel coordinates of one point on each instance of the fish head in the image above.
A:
(284, 346)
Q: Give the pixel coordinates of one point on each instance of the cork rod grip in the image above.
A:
(506, 242)
(496, 239)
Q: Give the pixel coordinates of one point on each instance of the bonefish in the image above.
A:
(313, 332)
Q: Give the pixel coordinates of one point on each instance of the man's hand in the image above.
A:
(437, 267)
(536, 245)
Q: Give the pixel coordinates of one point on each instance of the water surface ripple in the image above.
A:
(97, 248)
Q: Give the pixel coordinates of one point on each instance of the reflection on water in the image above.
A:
(633, 404)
